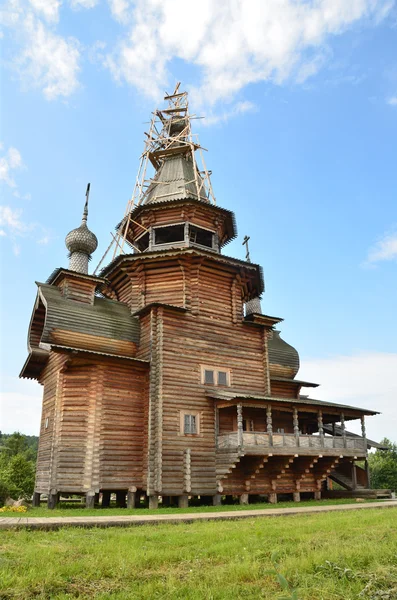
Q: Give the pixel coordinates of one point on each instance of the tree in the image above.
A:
(383, 467)
(17, 466)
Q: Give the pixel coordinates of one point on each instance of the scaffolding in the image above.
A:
(169, 134)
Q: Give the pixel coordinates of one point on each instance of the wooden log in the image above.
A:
(183, 501)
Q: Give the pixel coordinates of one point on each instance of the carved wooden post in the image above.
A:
(296, 425)
(363, 432)
(368, 474)
(342, 425)
(240, 440)
(320, 426)
(269, 424)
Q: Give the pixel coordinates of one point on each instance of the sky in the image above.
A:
(300, 107)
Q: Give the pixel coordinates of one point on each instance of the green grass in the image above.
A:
(328, 556)
(76, 509)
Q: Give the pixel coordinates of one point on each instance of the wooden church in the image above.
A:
(161, 375)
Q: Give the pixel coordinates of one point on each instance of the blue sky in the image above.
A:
(300, 100)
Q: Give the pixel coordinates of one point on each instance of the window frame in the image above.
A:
(191, 413)
(216, 371)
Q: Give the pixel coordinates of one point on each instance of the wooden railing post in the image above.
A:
(295, 419)
(320, 426)
(342, 425)
(269, 424)
(240, 425)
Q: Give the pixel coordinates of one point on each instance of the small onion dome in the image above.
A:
(81, 240)
(283, 358)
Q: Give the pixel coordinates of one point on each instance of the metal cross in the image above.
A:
(247, 255)
(87, 195)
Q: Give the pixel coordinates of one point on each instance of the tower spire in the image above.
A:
(81, 242)
(253, 306)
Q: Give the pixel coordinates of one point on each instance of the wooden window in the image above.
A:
(209, 376)
(222, 378)
(200, 236)
(189, 423)
(169, 234)
(46, 423)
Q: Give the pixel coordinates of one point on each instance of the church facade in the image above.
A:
(161, 375)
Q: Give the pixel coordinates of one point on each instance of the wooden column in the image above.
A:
(153, 502)
(269, 424)
(90, 500)
(217, 500)
(368, 474)
(240, 425)
(53, 500)
(342, 425)
(297, 496)
(244, 499)
(131, 499)
(36, 499)
(120, 498)
(295, 419)
(363, 432)
(320, 426)
(183, 501)
(272, 498)
(354, 476)
(106, 499)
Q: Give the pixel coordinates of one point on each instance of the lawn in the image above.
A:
(327, 556)
(76, 509)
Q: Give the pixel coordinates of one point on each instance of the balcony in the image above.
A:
(284, 443)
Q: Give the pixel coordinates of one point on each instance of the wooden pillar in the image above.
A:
(90, 500)
(342, 425)
(269, 424)
(272, 498)
(244, 499)
(216, 426)
(317, 495)
(36, 499)
(96, 498)
(368, 474)
(131, 499)
(240, 425)
(295, 420)
(120, 499)
(106, 499)
(153, 502)
(52, 501)
(183, 501)
(354, 476)
(320, 426)
(296, 496)
(217, 500)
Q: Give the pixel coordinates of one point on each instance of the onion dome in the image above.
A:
(81, 243)
(283, 358)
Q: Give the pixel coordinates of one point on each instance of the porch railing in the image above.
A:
(290, 440)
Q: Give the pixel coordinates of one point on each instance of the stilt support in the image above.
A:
(153, 502)
(183, 501)
(297, 496)
(120, 499)
(106, 499)
(317, 495)
(89, 500)
(217, 500)
(36, 499)
(52, 500)
(273, 498)
(131, 499)
(244, 499)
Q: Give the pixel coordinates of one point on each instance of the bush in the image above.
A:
(4, 492)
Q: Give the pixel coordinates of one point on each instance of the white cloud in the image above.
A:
(384, 249)
(10, 220)
(121, 10)
(83, 3)
(46, 60)
(232, 42)
(365, 380)
(49, 9)
(11, 161)
(238, 109)
(20, 406)
(392, 101)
